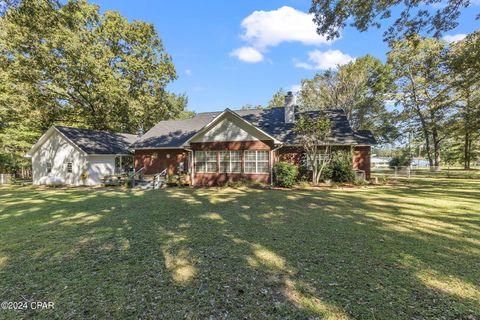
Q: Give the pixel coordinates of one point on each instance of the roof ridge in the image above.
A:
(85, 129)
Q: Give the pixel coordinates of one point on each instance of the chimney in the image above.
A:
(289, 108)
(140, 132)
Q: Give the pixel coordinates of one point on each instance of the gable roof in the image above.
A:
(175, 133)
(98, 142)
(222, 116)
(90, 141)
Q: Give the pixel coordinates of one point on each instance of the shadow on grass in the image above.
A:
(404, 252)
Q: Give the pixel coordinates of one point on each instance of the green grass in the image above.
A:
(409, 251)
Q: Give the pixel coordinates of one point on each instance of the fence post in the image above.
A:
(396, 171)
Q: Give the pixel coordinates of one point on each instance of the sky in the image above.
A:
(232, 53)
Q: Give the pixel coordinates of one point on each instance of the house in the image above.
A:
(217, 147)
(70, 153)
(211, 148)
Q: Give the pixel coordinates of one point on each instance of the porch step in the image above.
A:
(150, 184)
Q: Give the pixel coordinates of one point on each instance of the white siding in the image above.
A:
(230, 129)
(57, 151)
(98, 167)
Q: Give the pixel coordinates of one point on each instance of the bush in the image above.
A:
(285, 174)
(340, 169)
(400, 161)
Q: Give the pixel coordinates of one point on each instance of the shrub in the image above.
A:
(285, 174)
(340, 169)
(400, 161)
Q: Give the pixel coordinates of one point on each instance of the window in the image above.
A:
(256, 161)
(230, 161)
(69, 167)
(206, 161)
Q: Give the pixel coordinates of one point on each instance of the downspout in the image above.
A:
(191, 165)
(271, 161)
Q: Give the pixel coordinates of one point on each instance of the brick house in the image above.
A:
(217, 147)
(211, 148)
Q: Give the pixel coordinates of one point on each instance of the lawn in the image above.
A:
(410, 251)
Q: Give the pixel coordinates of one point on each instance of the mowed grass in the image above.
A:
(409, 251)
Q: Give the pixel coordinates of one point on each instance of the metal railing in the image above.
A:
(135, 173)
(159, 178)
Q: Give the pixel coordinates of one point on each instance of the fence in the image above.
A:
(425, 172)
(5, 178)
(19, 178)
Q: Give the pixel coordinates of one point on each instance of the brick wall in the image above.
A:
(290, 154)
(157, 160)
(361, 159)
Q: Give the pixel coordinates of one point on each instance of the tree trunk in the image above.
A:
(436, 149)
(428, 148)
(466, 151)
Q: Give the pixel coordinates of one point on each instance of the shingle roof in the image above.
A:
(99, 142)
(173, 133)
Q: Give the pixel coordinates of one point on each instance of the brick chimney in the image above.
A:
(289, 108)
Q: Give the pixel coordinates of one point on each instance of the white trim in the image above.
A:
(330, 144)
(166, 148)
(110, 154)
(217, 118)
(229, 161)
(47, 135)
(257, 161)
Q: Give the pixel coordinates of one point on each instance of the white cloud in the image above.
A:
(264, 29)
(323, 60)
(188, 72)
(247, 54)
(270, 28)
(454, 37)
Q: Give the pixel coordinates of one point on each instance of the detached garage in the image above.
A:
(76, 156)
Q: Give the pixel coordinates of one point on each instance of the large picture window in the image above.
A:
(230, 161)
(256, 161)
(206, 161)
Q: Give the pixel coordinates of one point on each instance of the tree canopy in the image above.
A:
(278, 99)
(411, 17)
(70, 64)
(359, 88)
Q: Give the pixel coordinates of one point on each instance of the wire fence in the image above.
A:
(426, 172)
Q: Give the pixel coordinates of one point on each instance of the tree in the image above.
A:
(7, 4)
(278, 99)
(251, 107)
(69, 64)
(313, 133)
(360, 89)
(414, 16)
(464, 66)
(423, 91)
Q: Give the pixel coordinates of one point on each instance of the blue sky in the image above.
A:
(232, 53)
